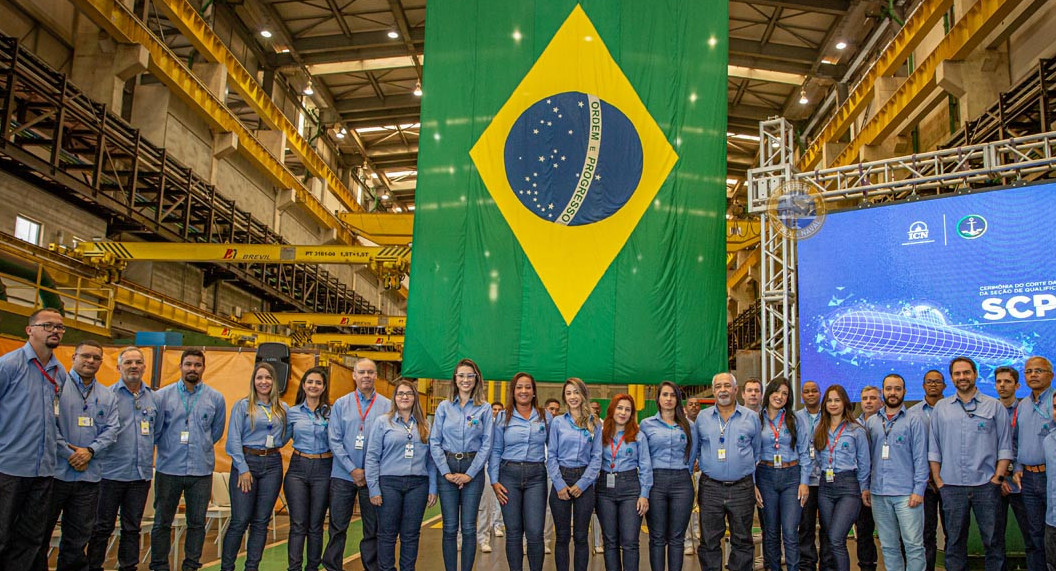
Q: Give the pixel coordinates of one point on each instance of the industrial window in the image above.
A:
(27, 230)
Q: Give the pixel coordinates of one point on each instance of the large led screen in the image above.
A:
(905, 287)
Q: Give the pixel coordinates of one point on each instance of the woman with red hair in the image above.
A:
(624, 484)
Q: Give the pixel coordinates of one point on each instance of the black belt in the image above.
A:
(723, 482)
(515, 463)
(624, 473)
(460, 455)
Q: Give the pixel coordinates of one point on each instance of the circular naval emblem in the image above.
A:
(573, 159)
(972, 226)
(796, 209)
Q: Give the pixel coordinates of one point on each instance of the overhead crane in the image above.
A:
(324, 319)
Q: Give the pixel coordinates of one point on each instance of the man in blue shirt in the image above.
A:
(969, 454)
(351, 422)
(127, 466)
(865, 527)
(190, 421)
(1050, 484)
(728, 439)
(809, 416)
(1032, 425)
(934, 387)
(31, 379)
(88, 423)
(899, 476)
(1006, 383)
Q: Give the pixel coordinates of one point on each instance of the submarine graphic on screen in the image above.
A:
(917, 333)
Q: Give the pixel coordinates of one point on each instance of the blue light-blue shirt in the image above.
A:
(570, 446)
(347, 423)
(522, 440)
(1050, 483)
(93, 407)
(310, 434)
(201, 415)
(907, 442)
(29, 432)
(1033, 423)
(739, 436)
(784, 444)
(972, 441)
(386, 453)
(850, 452)
(810, 422)
(461, 428)
(131, 457)
(629, 456)
(241, 431)
(667, 444)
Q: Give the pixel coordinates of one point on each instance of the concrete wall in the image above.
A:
(60, 221)
(45, 27)
(1032, 41)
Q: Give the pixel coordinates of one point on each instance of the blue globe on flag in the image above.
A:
(573, 159)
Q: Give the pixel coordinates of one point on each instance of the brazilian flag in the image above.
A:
(570, 205)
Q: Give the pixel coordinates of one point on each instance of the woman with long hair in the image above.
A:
(842, 447)
(518, 472)
(669, 437)
(400, 476)
(460, 442)
(624, 484)
(307, 482)
(783, 475)
(255, 433)
(573, 462)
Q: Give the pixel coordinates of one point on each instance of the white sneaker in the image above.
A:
(485, 547)
(499, 532)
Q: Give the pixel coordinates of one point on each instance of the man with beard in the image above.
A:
(1033, 424)
(865, 526)
(899, 476)
(1006, 383)
(934, 387)
(728, 439)
(31, 380)
(809, 416)
(191, 418)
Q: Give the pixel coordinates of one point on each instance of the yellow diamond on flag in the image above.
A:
(573, 160)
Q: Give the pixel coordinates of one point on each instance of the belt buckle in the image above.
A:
(459, 455)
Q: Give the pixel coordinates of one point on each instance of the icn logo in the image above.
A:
(972, 226)
(918, 231)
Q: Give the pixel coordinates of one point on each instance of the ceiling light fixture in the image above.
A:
(265, 33)
(841, 45)
(803, 97)
(394, 34)
(410, 208)
(308, 88)
(385, 196)
(418, 89)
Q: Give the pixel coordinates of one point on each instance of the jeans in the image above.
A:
(808, 532)
(618, 516)
(22, 520)
(839, 502)
(343, 494)
(897, 522)
(933, 516)
(572, 518)
(458, 508)
(307, 487)
(781, 515)
(1015, 501)
(1032, 522)
(403, 500)
(1050, 547)
(864, 529)
(196, 491)
(670, 505)
(78, 503)
(958, 503)
(129, 498)
(722, 502)
(524, 511)
(252, 509)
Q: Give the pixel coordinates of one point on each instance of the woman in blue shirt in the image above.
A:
(783, 475)
(573, 462)
(669, 437)
(519, 474)
(308, 478)
(255, 433)
(460, 442)
(624, 484)
(401, 477)
(842, 447)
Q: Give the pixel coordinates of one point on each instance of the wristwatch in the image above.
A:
(91, 451)
(1000, 479)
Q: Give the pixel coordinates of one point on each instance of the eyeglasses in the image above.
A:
(404, 394)
(471, 376)
(1036, 371)
(933, 381)
(91, 357)
(49, 327)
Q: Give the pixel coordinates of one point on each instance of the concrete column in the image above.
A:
(224, 144)
(274, 142)
(150, 111)
(94, 54)
(976, 81)
(214, 77)
(830, 151)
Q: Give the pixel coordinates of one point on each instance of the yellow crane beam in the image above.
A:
(193, 27)
(738, 275)
(381, 227)
(117, 20)
(323, 319)
(341, 339)
(374, 355)
(741, 234)
(247, 337)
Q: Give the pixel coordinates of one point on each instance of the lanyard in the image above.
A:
(363, 415)
(615, 450)
(409, 427)
(1040, 411)
(85, 397)
(970, 413)
(1015, 415)
(183, 398)
(832, 445)
(267, 412)
(54, 383)
(889, 425)
(776, 431)
(723, 427)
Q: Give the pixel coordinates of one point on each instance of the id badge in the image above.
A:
(610, 480)
(777, 460)
(85, 421)
(269, 442)
(408, 451)
(359, 442)
(144, 427)
(55, 405)
(722, 454)
(830, 475)
(185, 436)
(811, 452)
(885, 452)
